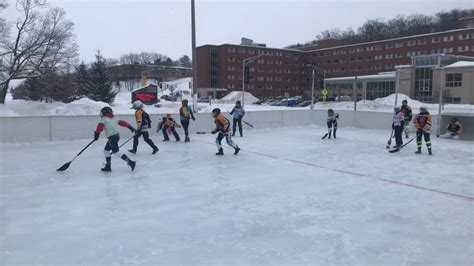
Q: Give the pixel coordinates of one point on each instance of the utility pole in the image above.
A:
(193, 33)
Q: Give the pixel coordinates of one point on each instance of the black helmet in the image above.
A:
(397, 109)
(105, 110)
(404, 102)
(330, 112)
(216, 112)
(454, 120)
(423, 109)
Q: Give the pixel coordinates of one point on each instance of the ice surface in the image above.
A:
(288, 198)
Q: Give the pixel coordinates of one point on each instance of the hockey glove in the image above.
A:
(213, 132)
(132, 129)
(193, 118)
(96, 136)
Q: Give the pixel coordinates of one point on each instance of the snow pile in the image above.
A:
(234, 96)
(84, 106)
(387, 104)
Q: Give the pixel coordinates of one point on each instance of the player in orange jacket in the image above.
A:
(422, 123)
(223, 128)
(143, 124)
(168, 124)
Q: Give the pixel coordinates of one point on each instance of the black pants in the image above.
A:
(185, 124)
(419, 134)
(227, 138)
(332, 126)
(234, 126)
(165, 133)
(146, 138)
(398, 135)
(112, 144)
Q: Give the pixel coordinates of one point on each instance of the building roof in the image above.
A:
(385, 76)
(387, 40)
(461, 64)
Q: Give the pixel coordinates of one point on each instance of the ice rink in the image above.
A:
(288, 198)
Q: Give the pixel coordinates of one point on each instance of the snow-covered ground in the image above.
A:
(288, 198)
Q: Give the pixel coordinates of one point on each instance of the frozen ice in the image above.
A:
(287, 198)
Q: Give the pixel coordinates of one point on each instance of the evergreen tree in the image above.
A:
(84, 85)
(185, 61)
(102, 89)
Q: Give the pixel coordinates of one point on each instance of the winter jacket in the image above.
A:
(109, 124)
(238, 112)
(423, 121)
(185, 113)
(222, 124)
(398, 120)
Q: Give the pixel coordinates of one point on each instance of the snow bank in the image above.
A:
(234, 96)
(123, 103)
(387, 104)
(84, 106)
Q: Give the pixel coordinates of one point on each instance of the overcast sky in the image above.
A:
(122, 26)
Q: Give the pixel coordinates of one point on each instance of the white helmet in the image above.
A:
(137, 104)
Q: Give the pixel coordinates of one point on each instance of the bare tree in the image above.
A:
(42, 42)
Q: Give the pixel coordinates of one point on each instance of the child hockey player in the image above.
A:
(185, 113)
(422, 123)
(143, 124)
(406, 110)
(332, 123)
(454, 129)
(109, 123)
(238, 112)
(223, 128)
(397, 126)
(168, 123)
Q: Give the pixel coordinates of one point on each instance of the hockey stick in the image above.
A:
(248, 124)
(396, 150)
(66, 165)
(389, 142)
(325, 135)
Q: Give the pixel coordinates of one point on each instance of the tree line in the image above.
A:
(401, 26)
(40, 47)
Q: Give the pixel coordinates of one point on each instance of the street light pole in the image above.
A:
(193, 33)
(247, 60)
(312, 93)
(312, 87)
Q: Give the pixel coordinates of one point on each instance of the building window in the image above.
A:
(251, 51)
(241, 50)
(379, 89)
(230, 77)
(436, 39)
(378, 57)
(398, 44)
(463, 48)
(422, 41)
(464, 36)
(231, 68)
(389, 46)
(448, 38)
(448, 50)
(231, 59)
(423, 84)
(411, 43)
(454, 80)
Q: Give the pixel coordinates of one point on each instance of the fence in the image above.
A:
(64, 128)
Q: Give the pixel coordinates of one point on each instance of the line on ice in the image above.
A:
(357, 174)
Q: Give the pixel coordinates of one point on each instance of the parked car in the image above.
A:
(203, 100)
(304, 104)
(343, 98)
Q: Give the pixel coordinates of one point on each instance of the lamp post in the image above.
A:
(193, 37)
(312, 86)
(245, 61)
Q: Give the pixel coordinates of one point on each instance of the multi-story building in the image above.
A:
(287, 72)
(275, 72)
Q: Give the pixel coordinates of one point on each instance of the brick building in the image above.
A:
(286, 72)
